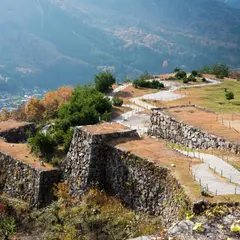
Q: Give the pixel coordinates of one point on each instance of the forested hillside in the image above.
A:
(52, 42)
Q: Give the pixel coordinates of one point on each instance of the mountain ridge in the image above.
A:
(54, 42)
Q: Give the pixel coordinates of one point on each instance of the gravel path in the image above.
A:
(223, 185)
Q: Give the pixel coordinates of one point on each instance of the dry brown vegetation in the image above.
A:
(7, 125)
(22, 152)
(207, 121)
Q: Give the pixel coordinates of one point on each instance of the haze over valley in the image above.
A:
(47, 43)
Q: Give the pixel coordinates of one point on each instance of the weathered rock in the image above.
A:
(182, 228)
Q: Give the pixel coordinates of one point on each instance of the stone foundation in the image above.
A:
(138, 183)
(18, 134)
(20, 180)
(178, 132)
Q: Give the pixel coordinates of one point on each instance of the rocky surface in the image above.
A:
(175, 131)
(19, 180)
(139, 183)
(201, 228)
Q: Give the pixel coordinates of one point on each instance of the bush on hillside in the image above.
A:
(185, 80)
(221, 70)
(145, 76)
(195, 73)
(104, 81)
(229, 96)
(67, 139)
(176, 70)
(172, 78)
(59, 136)
(154, 84)
(181, 74)
(7, 227)
(205, 70)
(191, 78)
(117, 101)
(43, 144)
(87, 106)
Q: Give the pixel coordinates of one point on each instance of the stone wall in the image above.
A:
(178, 132)
(18, 134)
(20, 180)
(81, 166)
(139, 183)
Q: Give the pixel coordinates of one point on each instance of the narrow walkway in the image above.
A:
(139, 105)
(225, 174)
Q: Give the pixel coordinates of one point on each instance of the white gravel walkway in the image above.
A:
(225, 177)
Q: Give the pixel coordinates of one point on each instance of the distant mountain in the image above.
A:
(52, 42)
(232, 3)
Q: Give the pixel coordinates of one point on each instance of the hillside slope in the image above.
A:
(53, 42)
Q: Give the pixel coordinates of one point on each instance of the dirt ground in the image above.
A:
(118, 111)
(160, 153)
(131, 92)
(105, 128)
(209, 122)
(22, 153)
(6, 125)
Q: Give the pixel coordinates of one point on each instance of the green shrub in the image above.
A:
(195, 73)
(59, 136)
(104, 81)
(68, 139)
(181, 74)
(172, 78)
(117, 101)
(154, 84)
(86, 107)
(192, 78)
(7, 227)
(229, 95)
(221, 70)
(44, 144)
(185, 80)
(204, 80)
(106, 117)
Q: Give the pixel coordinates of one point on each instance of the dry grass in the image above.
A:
(22, 153)
(131, 92)
(7, 125)
(161, 154)
(105, 128)
(206, 121)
